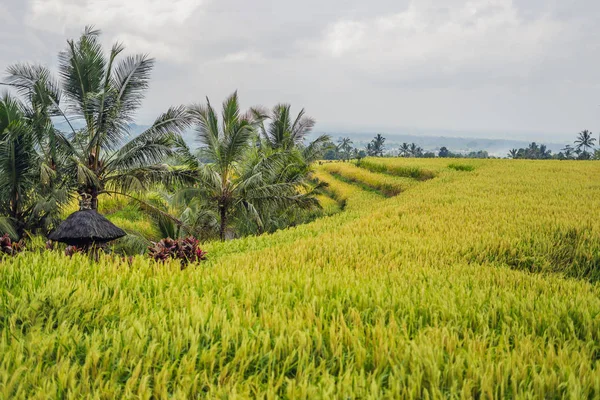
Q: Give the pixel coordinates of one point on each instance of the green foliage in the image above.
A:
(244, 184)
(461, 167)
(397, 170)
(30, 197)
(105, 93)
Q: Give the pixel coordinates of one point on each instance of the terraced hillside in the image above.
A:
(477, 279)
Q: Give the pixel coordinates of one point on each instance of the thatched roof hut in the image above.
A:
(86, 227)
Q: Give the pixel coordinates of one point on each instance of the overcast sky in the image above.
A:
(525, 69)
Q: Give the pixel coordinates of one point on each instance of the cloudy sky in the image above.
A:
(526, 69)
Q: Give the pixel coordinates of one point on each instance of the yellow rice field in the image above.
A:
(479, 283)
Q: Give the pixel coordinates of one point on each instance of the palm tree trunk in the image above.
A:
(94, 200)
(223, 222)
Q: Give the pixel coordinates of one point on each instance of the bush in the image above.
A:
(461, 167)
(186, 250)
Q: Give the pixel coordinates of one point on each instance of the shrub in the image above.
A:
(461, 167)
(71, 250)
(186, 250)
(9, 247)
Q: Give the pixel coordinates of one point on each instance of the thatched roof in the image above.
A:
(85, 227)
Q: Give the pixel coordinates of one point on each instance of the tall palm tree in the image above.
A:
(104, 94)
(414, 150)
(240, 179)
(513, 153)
(533, 151)
(345, 147)
(585, 140)
(405, 149)
(286, 133)
(376, 146)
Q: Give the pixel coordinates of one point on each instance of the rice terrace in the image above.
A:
(273, 262)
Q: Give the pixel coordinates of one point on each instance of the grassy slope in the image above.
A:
(425, 293)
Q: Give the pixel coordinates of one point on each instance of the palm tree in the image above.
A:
(585, 140)
(283, 133)
(377, 146)
(544, 153)
(513, 153)
(533, 151)
(568, 151)
(240, 179)
(345, 147)
(415, 151)
(405, 149)
(29, 198)
(104, 94)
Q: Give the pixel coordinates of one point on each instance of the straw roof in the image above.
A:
(85, 227)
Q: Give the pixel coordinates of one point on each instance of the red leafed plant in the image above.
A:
(71, 250)
(9, 247)
(186, 250)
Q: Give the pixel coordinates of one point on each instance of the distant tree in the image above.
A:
(331, 154)
(533, 151)
(376, 147)
(478, 154)
(585, 141)
(568, 151)
(444, 152)
(414, 150)
(544, 153)
(404, 150)
(345, 147)
(513, 153)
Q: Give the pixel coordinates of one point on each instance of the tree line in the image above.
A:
(583, 148)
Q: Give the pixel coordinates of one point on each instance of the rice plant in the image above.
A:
(469, 285)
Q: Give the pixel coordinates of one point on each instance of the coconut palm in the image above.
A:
(104, 94)
(283, 131)
(585, 141)
(415, 151)
(240, 179)
(345, 147)
(29, 198)
(376, 147)
(513, 153)
(544, 152)
(405, 150)
(286, 133)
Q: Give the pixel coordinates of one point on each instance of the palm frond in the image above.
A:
(7, 227)
(153, 145)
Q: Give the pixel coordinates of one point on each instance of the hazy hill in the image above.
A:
(495, 147)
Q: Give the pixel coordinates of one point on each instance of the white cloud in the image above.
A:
(456, 64)
(249, 57)
(154, 26)
(433, 38)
